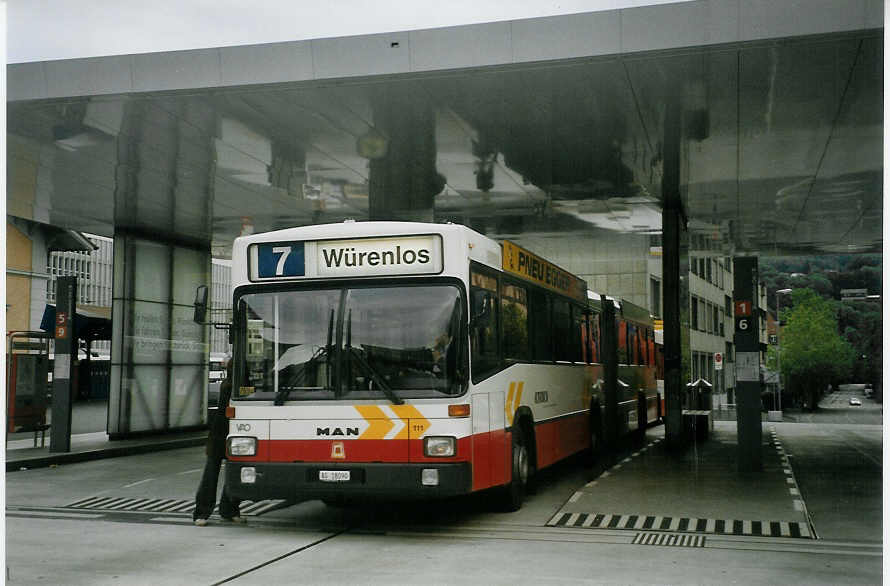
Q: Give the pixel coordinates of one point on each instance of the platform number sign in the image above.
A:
(742, 316)
(280, 260)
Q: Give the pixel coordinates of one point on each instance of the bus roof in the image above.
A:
(327, 251)
(386, 249)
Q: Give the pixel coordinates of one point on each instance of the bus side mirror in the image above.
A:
(201, 304)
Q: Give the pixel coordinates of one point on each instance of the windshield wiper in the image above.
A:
(378, 380)
(284, 391)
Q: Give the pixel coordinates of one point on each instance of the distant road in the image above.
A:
(836, 408)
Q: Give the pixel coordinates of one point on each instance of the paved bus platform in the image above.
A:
(699, 492)
(647, 489)
(22, 453)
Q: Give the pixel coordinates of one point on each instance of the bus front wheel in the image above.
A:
(521, 470)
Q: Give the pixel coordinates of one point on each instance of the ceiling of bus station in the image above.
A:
(781, 150)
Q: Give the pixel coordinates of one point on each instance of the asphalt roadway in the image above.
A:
(813, 515)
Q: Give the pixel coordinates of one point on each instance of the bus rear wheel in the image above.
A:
(521, 471)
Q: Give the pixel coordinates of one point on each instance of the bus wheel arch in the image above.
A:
(522, 463)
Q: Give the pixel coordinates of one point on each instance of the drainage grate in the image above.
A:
(669, 539)
(147, 505)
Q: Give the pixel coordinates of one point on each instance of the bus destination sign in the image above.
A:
(362, 257)
(518, 261)
(280, 259)
(373, 257)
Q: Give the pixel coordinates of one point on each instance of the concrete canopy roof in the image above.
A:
(549, 126)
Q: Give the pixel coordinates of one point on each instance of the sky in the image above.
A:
(44, 30)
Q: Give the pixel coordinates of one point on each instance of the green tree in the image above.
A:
(813, 353)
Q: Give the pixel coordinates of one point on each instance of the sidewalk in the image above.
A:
(21, 453)
(699, 491)
(89, 441)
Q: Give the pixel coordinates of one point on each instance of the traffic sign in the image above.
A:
(718, 361)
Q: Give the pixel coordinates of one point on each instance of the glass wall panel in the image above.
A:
(159, 355)
(187, 396)
(151, 281)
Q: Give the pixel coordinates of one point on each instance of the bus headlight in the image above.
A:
(439, 446)
(242, 446)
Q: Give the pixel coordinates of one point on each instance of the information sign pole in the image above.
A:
(65, 355)
(747, 364)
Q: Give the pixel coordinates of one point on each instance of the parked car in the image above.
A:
(854, 401)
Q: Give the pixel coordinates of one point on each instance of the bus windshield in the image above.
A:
(350, 343)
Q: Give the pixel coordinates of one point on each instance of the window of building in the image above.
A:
(693, 316)
(655, 296)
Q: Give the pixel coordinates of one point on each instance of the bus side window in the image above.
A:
(621, 326)
(595, 337)
(651, 343)
(484, 305)
(562, 333)
(578, 347)
(541, 326)
(514, 308)
(585, 339)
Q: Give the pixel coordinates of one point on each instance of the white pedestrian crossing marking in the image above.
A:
(681, 526)
(160, 505)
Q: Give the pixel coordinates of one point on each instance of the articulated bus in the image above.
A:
(392, 359)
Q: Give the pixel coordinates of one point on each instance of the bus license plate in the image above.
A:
(333, 475)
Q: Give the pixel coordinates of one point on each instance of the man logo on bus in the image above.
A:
(332, 431)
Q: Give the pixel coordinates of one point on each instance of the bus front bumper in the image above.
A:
(302, 480)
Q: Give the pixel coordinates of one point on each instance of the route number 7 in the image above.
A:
(284, 251)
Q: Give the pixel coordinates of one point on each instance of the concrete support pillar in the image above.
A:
(747, 364)
(404, 180)
(609, 333)
(159, 355)
(675, 288)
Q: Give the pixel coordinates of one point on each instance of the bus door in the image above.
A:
(479, 411)
(491, 445)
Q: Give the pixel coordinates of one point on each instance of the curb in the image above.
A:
(101, 453)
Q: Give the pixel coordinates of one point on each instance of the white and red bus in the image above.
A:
(412, 360)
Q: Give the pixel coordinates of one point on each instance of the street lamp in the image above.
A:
(779, 342)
